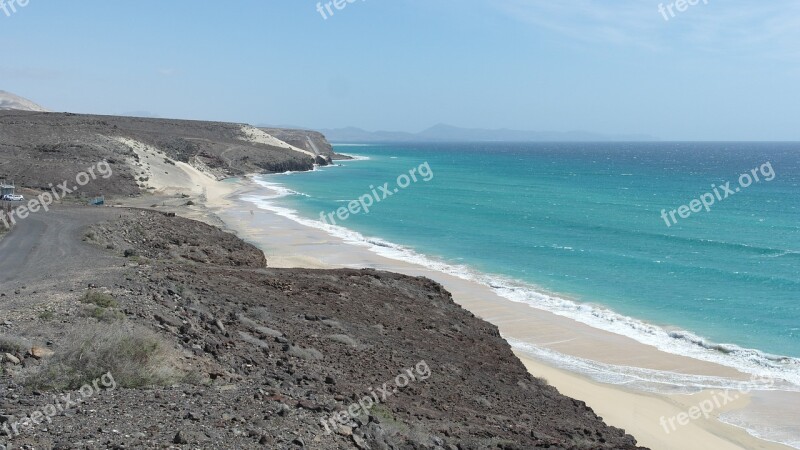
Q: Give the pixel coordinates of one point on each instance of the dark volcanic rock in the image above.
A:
(177, 239)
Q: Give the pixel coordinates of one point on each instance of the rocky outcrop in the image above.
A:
(178, 240)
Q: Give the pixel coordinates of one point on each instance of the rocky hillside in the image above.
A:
(41, 148)
(271, 358)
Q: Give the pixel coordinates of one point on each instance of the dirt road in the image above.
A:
(49, 244)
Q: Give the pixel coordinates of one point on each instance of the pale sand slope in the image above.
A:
(289, 244)
(257, 136)
(174, 183)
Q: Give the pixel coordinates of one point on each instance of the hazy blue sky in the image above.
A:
(728, 69)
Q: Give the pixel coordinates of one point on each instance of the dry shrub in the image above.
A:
(344, 339)
(308, 353)
(249, 338)
(135, 356)
(100, 299)
(13, 344)
(255, 326)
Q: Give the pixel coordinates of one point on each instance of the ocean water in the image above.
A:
(577, 229)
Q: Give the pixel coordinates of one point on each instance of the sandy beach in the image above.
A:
(644, 414)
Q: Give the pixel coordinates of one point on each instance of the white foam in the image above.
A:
(355, 157)
(649, 380)
(279, 190)
(786, 436)
(784, 370)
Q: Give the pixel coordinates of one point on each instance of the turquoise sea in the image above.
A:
(577, 229)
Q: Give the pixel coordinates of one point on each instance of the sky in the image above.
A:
(716, 70)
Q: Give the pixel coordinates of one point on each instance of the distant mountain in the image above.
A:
(9, 101)
(445, 133)
(353, 134)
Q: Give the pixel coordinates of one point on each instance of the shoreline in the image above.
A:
(635, 411)
(290, 244)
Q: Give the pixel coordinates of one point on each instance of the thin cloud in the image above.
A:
(770, 29)
(167, 72)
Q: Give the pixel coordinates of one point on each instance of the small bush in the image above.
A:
(106, 315)
(304, 353)
(100, 299)
(260, 313)
(344, 339)
(255, 326)
(46, 315)
(13, 344)
(266, 331)
(386, 416)
(333, 324)
(250, 339)
(135, 356)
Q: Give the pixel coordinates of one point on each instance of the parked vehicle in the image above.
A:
(13, 197)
